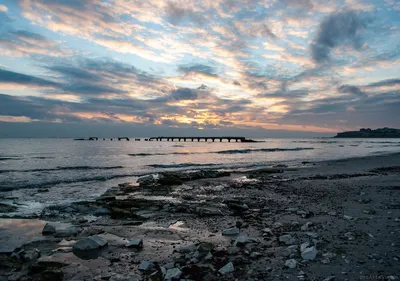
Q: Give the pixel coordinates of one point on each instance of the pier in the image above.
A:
(184, 139)
(205, 139)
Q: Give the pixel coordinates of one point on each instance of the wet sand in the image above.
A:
(348, 211)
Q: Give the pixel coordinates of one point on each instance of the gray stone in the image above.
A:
(309, 253)
(312, 234)
(188, 248)
(228, 268)
(169, 265)
(306, 226)
(137, 244)
(231, 231)
(99, 240)
(292, 263)
(66, 232)
(90, 243)
(173, 274)
(145, 179)
(287, 239)
(145, 266)
(304, 246)
(48, 229)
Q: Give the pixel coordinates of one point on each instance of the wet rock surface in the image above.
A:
(336, 220)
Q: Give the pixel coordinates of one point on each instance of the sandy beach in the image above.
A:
(333, 220)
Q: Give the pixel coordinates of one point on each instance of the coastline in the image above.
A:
(348, 209)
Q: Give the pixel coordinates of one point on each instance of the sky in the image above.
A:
(198, 67)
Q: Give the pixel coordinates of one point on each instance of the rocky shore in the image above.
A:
(335, 220)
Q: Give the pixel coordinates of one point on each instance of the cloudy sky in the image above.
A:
(206, 66)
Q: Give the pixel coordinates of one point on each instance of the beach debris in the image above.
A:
(292, 263)
(287, 239)
(309, 253)
(231, 231)
(173, 274)
(228, 268)
(136, 243)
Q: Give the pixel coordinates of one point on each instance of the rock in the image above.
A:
(268, 231)
(48, 229)
(99, 240)
(231, 231)
(144, 180)
(241, 241)
(330, 278)
(65, 243)
(287, 239)
(66, 232)
(332, 213)
(306, 226)
(292, 263)
(349, 235)
(255, 255)
(32, 254)
(208, 211)
(289, 251)
(309, 253)
(304, 246)
(205, 247)
(90, 243)
(169, 265)
(145, 266)
(169, 179)
(137, 244)
(312, 234)
(188, 248)
(228, 268)
(347, 217)
(173, 274)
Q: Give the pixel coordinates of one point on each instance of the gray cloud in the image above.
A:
(183, 94)
(198, 68)
(335, 30)
(177, 14)
(7, 76)
(353, 90)
(387, 82)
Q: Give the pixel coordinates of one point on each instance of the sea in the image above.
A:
(74, 170)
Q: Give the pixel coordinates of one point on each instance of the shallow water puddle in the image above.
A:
(16, 232)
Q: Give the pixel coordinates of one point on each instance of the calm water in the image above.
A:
(77, 170)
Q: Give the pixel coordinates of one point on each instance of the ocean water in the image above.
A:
(79, 170)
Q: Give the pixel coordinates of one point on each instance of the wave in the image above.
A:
(63, 169)
(9, 158)
(48, 184)
(233, 151)
(182, 165)
(245, 151)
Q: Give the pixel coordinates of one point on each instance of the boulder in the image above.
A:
(90, 243)
(231, 231)
(48, 229)
(144, 180)
(228, 268)
(309, 253)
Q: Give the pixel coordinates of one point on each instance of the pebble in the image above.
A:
(306, 226)
(292, 263)
(137, 244)
(309, 253)
(145, 266)
(228, 268)
(173, 274)
(287, 239)
(231, 231)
